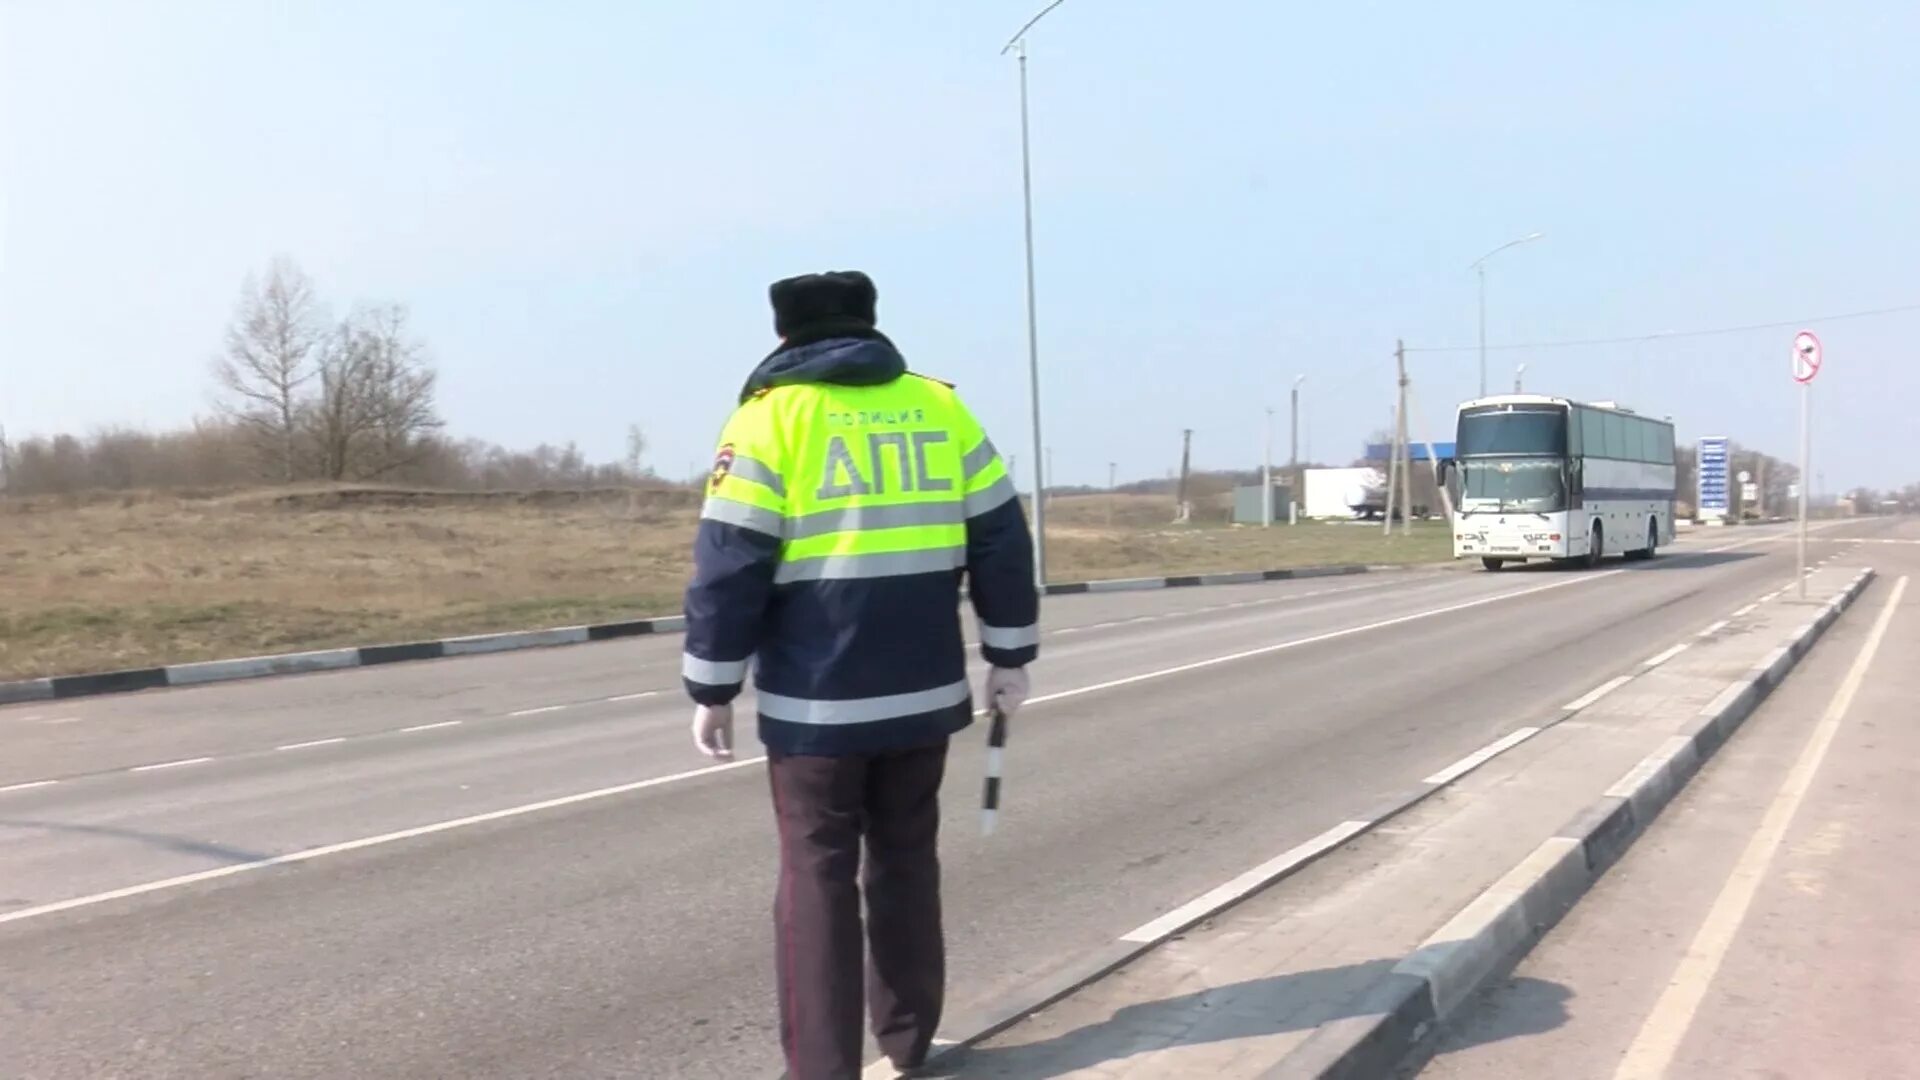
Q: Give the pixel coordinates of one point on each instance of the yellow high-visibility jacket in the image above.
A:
(848, 501)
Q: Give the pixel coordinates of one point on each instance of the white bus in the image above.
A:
(1547, 478)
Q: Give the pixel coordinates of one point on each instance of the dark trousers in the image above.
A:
(825, 807)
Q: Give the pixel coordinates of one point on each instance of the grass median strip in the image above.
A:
(109, 583)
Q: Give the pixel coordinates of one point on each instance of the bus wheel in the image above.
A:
(1596, 543)
(1492, 563)
(1653, 542)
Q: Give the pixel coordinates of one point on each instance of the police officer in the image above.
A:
(848, 501)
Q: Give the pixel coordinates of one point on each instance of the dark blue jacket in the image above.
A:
(836, 573)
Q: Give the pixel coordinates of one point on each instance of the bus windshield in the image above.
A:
(1535, 486)
(1536, 431)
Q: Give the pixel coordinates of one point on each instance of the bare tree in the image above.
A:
(269, 359)
(376, 405)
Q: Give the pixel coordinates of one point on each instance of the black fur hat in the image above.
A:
(839, 300)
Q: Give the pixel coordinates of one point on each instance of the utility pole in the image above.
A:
(1113, 488)
(1296, 480)
(1400, 462)
(1184, 510)
(1266, 477)
(1049, 474)
(1519, 373)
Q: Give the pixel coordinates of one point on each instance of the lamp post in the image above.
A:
(1018, 46)
(1479, 267)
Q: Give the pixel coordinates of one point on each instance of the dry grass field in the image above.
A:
(113, 581)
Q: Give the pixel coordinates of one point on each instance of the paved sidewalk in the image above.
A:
(1766, 925)
(1235, 994)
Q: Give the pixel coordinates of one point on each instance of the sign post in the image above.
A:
(1806, 364)
(1710, 480)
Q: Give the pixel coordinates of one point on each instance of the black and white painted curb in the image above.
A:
(1391, 1020)
(1494, 931)
(255, 667)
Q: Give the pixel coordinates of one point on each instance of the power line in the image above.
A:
(1638, 338)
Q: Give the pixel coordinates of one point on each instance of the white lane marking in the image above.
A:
(585, 796)
(1770, 596)
(429, 727)
(1748, 610)
(314, 742)
(1481, 756)
(171, 764)
(1714, 629)
(533, 712)
(310, 854)
(1198, 907)
(1659, 1039)
(1260, 602)
(28, 784)
(1332, 635)
(635, 697)
(62, 720)
(1597, 693)
(1666, 655)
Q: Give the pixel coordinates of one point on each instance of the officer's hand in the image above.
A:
(713, 731)
(1007, 689)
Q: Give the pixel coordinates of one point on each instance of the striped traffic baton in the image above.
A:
(996, 745)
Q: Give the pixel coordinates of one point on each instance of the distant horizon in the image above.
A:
(585, 241)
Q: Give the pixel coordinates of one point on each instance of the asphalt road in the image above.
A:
(516, 866)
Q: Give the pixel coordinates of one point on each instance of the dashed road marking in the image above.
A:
(1714, 629)
(28, 784)
(534, 712)
(1666, 655)
(430, 727)
(1481, 756)
(313, 742)
(1597, 693)
(1748, 610)
(170, 764)
(634, 697)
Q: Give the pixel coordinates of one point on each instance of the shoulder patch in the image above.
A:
(722, 465)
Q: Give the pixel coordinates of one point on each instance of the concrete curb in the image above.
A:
(1494, 931)
(256, 667)
(970, 1028)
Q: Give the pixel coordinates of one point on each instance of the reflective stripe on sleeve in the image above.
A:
(759, 472)
(796, 710)
(875, 565)
(712, 672)
(978, 459)
(1009, 637)
(746, 515)
(990, 497)
(858, 518)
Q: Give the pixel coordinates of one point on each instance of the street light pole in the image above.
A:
(1479, 267)
(1266, 476)
(1018, 46)
(1295, 488)
(1519, 373)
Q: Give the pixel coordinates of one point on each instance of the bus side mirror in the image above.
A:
(1442, 469)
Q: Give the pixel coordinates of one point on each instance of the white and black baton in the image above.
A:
(990, 796)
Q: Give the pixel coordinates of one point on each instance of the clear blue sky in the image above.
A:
(584, 202)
